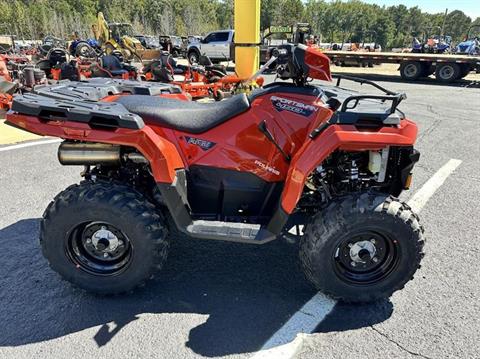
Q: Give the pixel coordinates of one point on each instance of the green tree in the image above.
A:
(457, 24)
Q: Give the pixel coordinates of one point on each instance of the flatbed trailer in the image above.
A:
(446, 67)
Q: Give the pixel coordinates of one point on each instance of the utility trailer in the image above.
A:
(446, 67)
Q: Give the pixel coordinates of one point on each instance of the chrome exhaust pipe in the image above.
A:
(84, 154)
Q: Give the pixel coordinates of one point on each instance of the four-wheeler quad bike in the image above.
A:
(248, 169)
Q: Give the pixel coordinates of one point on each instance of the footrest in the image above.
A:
(230, 231)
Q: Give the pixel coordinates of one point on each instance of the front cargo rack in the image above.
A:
(361, 110)
(394, 97)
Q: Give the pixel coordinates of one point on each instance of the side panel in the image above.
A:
(162, 154)
(343, 137)
(226, 195)
(239, 145)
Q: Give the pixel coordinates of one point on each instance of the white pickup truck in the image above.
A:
(217, 45)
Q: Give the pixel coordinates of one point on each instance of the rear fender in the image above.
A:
(339, 137)
(162, 154)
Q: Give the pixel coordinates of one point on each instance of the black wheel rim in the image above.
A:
(365, 258)
(99, 248)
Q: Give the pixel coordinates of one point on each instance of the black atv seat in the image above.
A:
(187, 116)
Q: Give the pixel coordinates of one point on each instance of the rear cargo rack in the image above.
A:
(106, 115)
(79, 101)
(97, 88)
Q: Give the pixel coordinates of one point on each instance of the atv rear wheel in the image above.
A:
(362, 247)
(103, 237)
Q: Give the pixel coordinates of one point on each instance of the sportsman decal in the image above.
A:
(286, 104)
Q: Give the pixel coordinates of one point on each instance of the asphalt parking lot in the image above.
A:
(218, 299)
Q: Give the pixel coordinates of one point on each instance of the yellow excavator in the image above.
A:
(120, 37)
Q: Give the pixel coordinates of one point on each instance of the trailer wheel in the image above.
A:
(447, 72)
(411, 70)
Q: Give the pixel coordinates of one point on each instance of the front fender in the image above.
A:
(339, 137)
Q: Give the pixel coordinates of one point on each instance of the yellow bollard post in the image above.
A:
(247, 37)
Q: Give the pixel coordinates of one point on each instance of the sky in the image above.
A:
(469, 7)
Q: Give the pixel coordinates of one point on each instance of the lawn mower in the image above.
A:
(51, 42)
(112, 66)
(203, 80)
(249, 169)
(17, 75)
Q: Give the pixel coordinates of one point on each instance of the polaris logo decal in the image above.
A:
(203, 144)
(267, 168)
(285, 104)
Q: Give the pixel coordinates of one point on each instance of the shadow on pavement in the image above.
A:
(348, 317)
(248, 292)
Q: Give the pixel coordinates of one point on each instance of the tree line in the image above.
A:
(333, 21)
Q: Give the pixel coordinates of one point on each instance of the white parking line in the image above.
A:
(421, 197)
(29, 144)
(287, 341)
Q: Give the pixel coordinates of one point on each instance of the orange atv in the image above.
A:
(317, 163)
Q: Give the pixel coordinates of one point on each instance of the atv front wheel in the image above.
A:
(362, 247)
(103, 237)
